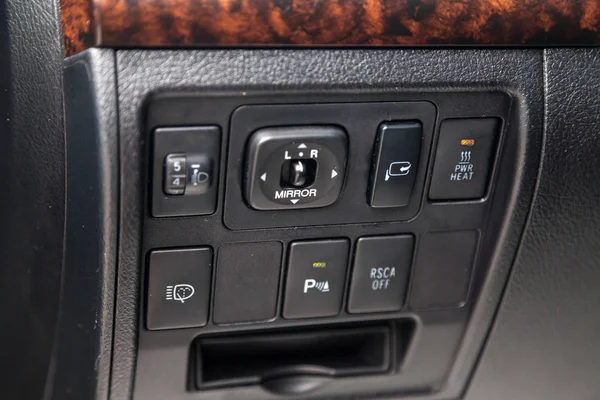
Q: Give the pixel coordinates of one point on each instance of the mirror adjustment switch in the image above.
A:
(396, 159)
(463, 159)
(316, 274)
(295, 167)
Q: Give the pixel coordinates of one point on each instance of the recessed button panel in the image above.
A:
(380, 273)
(396, 159)
(178, 288)
(464, 158)
(316, 276)
(295, 167)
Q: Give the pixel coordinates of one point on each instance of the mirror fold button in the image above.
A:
(396, 159)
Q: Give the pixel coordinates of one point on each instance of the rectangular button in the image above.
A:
(464, 158)
(185, 170)
(315, 278)
(247, 282)
(178, 288)
(380, 273)
(396, 159)
(443, 269)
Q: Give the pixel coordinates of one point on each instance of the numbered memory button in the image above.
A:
(175, 174)
(380, 273)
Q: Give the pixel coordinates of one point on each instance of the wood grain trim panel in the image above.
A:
(213, 23)
(77, 24)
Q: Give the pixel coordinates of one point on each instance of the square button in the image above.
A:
(380, 273)
(247, 282)
(464, 158)
(179, 288)
(316, 278)
(443, 269)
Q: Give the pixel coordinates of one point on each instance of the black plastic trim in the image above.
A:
(85, 331)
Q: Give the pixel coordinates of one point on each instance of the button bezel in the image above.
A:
(360, 121)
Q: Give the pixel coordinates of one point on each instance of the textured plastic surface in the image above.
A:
(545, 343)
(83, 352)
(32, 200)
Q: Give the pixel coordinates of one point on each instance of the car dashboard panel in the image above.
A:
(301, 199)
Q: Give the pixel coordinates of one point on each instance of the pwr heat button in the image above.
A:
(295, 167)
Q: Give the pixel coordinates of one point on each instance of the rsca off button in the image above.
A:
(380, 273)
